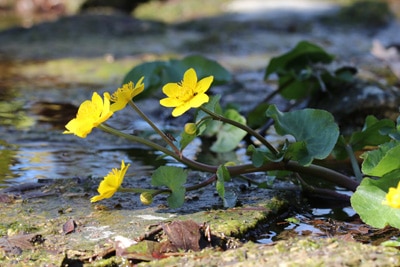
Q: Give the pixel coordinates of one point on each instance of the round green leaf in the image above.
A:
(367, 201)
(174, 178)
(315, 132)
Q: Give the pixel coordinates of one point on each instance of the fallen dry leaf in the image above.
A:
(69, 226)
(17, 243)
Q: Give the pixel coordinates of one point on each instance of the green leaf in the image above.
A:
(371, 134)
(375, 132)
(382, 160)
(297, 89)
(393, 133)
(212, 104)
(391, 243)
(315, 132)
(222, 176)
(185, 139)
(261, 155)
(367, 201)
(303, 55)
(297, 77)
(229, 136)
(256, 117)
(152, 72)
(174, 178)
(257, 156)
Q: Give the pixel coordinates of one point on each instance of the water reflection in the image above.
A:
(29, 162)
(33, 147)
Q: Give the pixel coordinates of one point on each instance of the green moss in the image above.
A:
(180, 10)
(79, 70)
(16, 227)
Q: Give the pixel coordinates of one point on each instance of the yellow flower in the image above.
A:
(393, 197)
(91, 113)
(123, 95)
(111, 183)
(187, 94)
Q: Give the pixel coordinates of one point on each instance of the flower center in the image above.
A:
(185, 93)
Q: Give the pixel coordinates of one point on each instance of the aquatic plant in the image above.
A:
(302, 73)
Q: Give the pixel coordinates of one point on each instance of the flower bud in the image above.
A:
(190, 128)
(146, 198)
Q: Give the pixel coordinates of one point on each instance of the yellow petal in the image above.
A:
(97, 104)
(198, 100)
(178, 111)
(80, 127)
(170, 102)
(171, 89)
(190, 79)
(393, 197)
(96, 198)
(204, 84)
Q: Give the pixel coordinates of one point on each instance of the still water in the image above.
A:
(33, 147)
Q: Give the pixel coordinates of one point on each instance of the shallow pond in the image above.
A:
(35, 107)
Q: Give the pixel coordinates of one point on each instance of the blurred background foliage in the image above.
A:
(29, 12)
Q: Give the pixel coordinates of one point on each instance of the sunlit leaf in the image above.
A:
(367, 201)
(315, 132)
(229, 136)
(383, 160)
(222, 176)
(174, 178)
(186, 139)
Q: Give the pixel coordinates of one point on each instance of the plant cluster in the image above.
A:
(302, 73)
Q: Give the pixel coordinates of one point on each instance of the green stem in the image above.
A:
(243, 127)
(190, 163)
(277, 91)
(135, 190)
(312, 170)
(155, 128)
(354, 163)
(210, 180)
(321, 192)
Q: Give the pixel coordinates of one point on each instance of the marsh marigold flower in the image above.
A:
(393, 197)
(124, 94)
(91, 113)
(111, 183)
(187, 94)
